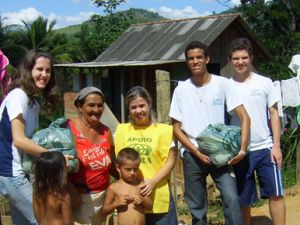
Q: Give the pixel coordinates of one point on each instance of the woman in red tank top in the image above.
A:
(95, 152)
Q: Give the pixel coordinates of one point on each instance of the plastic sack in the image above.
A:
(220, 142)
(57, 137)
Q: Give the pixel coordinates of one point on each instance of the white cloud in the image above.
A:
(235, 2)
(186, 12)
(82, 16)
(63, 21)
(30, 14)
(52, 16)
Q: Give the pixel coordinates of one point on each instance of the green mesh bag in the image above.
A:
(220, 142)
(56, 137)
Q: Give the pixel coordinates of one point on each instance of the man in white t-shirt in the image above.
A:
(264, 157)
(196, 103)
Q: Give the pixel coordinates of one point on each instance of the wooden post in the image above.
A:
(122, 97)
(162, 95)
(163, 100)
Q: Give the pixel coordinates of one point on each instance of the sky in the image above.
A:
(71, 12)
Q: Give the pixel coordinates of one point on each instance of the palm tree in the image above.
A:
(40, 33)
(37, 33)
(10, 42)
(15, 40)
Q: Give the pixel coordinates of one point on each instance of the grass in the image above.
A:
(182, 210)
(260, 203)
(289, 176)
(71, 31)
(215, 214)
(3, 200)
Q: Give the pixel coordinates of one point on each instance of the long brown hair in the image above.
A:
(50, 172)
(25, 81)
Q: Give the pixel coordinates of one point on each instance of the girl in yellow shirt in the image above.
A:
(154, 143)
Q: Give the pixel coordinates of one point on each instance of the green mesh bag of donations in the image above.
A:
(220, 142)
(56, 137)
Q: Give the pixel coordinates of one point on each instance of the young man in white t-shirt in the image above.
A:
(264, 157)
(196, 103)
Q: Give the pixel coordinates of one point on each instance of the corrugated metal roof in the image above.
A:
(118, 63)
(163, 42)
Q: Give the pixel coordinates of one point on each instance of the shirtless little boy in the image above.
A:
(124, 195)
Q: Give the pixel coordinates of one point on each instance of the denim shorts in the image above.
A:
(18, 191)
(268, 174)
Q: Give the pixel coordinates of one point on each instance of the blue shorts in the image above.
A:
(267, 172)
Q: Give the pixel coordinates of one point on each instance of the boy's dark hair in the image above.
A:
(128, 154)
(194, 45)
(240, 44)
(50, 170)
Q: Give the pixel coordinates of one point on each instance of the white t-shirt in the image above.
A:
(259, 94)
(197, 107)
(14, 104)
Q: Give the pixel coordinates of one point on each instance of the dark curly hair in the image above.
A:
(193, 45)
(24, 80)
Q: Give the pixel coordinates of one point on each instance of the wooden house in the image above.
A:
(144, 48)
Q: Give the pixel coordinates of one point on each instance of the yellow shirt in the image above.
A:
(153, 144)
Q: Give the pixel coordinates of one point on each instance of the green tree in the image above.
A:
(108, 5)
(37, 33)
(290, 7)
(106, 29)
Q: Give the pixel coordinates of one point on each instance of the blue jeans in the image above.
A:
(18, 190)
(169, 218)
(195, 174)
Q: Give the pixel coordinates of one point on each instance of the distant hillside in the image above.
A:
(143, 16)
(69, 31)
(138, 16)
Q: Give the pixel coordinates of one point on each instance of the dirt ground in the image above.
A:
(261, 216)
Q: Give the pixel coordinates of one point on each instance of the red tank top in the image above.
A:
(94, 161)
